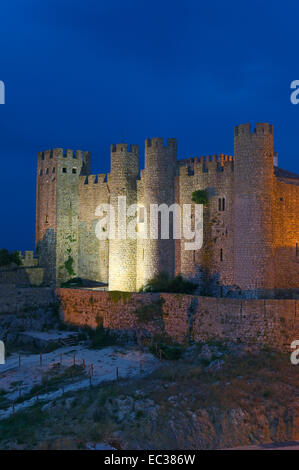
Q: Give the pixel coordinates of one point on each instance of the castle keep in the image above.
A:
(251, 222)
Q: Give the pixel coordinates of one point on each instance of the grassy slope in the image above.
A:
(183, 405)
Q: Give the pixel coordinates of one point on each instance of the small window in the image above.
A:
(53, 170)
(47, 219)
(41, 172)
(47, 171)
(221, 204)
(221, 254)
(63, 170)
(74, 171)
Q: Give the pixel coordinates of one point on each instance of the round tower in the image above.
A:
(253, 193)
(122, 183)
(159, 187)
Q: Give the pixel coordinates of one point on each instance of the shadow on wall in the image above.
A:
(22, 276)
(211, 286)
(46, 252)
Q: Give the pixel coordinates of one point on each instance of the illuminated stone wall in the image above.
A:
(122, 181)
(187, 318)
(251, 222)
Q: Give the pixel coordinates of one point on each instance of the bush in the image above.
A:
(170, 352)
(200, 197)
(101, 338)
(7, 258)
(162, 283)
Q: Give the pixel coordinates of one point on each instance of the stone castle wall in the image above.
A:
(93, 254)
(253, 203)
(17, 299)
(215, 175)
(122, 182)
(33, 276)
(286, 235)
(251, 223)
(273, 323)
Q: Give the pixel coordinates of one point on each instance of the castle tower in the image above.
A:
(159, 188)
(57, 211)
(253, 193)
(122, 182)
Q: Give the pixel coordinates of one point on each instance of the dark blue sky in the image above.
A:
(85, 74)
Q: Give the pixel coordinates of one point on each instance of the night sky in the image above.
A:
(85, 74)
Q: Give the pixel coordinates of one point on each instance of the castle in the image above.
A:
(251, 221)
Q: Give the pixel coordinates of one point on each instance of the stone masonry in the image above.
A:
(251, 221)
(186, 318)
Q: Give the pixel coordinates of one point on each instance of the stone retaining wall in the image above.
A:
(14, 299)
(186, 318)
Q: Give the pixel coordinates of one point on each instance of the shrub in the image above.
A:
(162, 283)
(164, 347)
(170, 352)
(69, 266)
(200, 197)
(101, 338)
(7, 258)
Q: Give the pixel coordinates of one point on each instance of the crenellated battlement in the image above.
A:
(204, 164)
(158, 142)
(90, 180)
(260, 129)
(61, 153)
(124, 148)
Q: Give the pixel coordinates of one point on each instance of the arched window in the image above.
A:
(221, 204)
